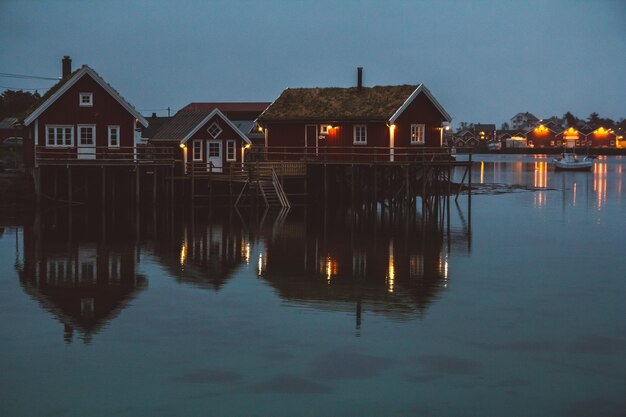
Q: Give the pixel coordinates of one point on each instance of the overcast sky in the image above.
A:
(484, 60)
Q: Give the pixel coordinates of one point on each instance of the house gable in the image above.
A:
(420, 90)
(215, 116)
(67, 85)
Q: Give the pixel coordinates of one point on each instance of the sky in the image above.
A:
(484, 60)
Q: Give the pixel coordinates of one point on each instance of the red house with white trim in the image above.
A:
(81, 118)
(388, 121)
(208, 139)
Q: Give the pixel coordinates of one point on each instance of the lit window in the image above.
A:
(59, 136)
(214, 130)
(324, 129)
(197, 150)
(114, 136)
(85, 99)
(417, 134)
(230, 150)
(360, 134)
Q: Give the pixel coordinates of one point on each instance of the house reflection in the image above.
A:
(78, 275)
(358, 262)
(204, 247)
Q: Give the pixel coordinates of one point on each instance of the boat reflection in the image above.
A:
(82, 278)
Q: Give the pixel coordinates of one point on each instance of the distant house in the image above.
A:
(523, 121)
(602, 138)
(485, 132)
(352, 120)
(541, 137)
(513, 139)
(465, 139)
(80, 118)
(206, 139)
(10, 128)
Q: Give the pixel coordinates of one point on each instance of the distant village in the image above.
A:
(525, 130)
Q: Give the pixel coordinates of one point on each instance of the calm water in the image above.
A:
(513, 307)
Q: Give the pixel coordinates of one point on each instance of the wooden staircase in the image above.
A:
(266, 184)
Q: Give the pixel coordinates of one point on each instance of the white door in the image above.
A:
(86, 142)
(214, 155)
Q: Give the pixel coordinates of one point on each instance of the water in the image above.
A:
(513, 306)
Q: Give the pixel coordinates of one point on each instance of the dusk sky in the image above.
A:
(484, 60)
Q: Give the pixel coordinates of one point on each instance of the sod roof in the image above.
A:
(338, 104)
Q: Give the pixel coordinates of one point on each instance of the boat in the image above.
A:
(569, 161)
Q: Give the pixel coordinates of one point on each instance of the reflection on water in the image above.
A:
(359, 261)
(344, 260)
(81, 277)
(536, 173)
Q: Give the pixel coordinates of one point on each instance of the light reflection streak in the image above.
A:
(482, 172)
(540, 181)
(391, 270)
(599, 183)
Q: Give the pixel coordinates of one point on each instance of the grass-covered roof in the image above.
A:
(338, 104)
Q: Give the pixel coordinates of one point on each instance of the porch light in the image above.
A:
(183, 146)
(247, 146)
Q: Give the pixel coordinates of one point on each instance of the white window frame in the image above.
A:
(356, 137)
(88, 103)
(196, 156)
(418, 134)
(56, 144)
(230, 143)
(93, 134)
(214, 136)
(115, 129)
(324, 129)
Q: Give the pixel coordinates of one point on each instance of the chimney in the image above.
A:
(66, 66)
(154, 116)
(359, 78)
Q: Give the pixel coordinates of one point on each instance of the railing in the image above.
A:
(237, 170)
(347, 154)
(142, 154)
(279, 190)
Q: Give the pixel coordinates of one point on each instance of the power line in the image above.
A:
(22, 76)
(23, 89)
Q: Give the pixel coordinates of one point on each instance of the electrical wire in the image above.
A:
(23, 76)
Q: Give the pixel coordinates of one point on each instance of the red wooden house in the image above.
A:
(206, 139)
(541, 137)
(389, 122)
(81, 118)
(602, 138)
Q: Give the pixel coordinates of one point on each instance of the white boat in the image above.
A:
(569, 161)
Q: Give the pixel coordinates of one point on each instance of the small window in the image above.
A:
(418, 134)
(87, 135)
(230, 150)
(59, 136)
(114, 136)
(214, 130)
(360, 134)
(85, 99)
(214, 149)
(197, 150)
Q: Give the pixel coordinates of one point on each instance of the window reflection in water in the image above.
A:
(391, 269)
